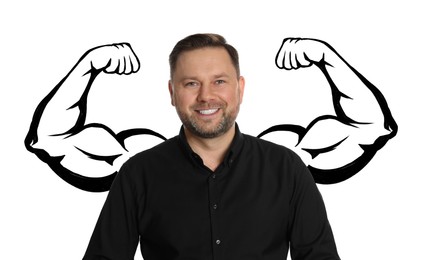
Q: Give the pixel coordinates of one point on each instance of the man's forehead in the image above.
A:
(213, 61)
(203, 57)
(204, 53)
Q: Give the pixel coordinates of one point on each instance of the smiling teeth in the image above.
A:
(208, 111)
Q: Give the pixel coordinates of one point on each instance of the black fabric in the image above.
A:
(259, 202)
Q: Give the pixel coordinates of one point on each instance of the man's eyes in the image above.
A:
(220, 81)
(191, 84)
(195, 83)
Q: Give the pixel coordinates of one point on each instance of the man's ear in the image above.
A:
(241, 85)
(170, 87)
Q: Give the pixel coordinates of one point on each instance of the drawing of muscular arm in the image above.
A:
(335, 147)
(85, 155)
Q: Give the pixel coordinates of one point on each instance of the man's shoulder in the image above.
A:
(156, 152)
(270, 150)
(265, 144)
(145, 164)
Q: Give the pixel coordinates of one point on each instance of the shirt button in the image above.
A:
(214, 176)
(215, 206)
(218, 242)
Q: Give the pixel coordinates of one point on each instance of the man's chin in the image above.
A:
(207, 132)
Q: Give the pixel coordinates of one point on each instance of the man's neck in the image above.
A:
(211, 150)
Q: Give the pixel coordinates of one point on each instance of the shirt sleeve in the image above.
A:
(116, 235)
(310, 231)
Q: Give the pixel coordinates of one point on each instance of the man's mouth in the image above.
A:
(208, 111)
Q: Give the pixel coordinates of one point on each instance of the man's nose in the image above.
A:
(205, 93)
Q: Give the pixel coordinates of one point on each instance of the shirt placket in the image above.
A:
(214, 216)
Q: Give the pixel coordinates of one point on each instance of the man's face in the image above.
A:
(206, 91)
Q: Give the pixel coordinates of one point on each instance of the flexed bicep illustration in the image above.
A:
(86, 156)
(335, 147)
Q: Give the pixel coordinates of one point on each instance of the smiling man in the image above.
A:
(206, 90)
(212, 192)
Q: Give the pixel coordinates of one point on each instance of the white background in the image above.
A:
(377, 214)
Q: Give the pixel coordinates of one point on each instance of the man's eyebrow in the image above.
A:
(221, 75)
(189, 78)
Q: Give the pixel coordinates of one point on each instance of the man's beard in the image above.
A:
(201, 130)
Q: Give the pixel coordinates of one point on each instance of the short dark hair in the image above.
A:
(198, 41)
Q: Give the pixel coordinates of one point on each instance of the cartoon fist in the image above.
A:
(114, 58)
(296, 53)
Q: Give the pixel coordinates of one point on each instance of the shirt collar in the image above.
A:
(231, 155)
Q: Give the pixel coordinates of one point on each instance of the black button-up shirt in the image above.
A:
(257, 204)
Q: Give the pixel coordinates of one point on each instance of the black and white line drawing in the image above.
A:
(335, 147)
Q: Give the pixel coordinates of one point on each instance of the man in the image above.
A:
(334, 146)
(212, 192)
